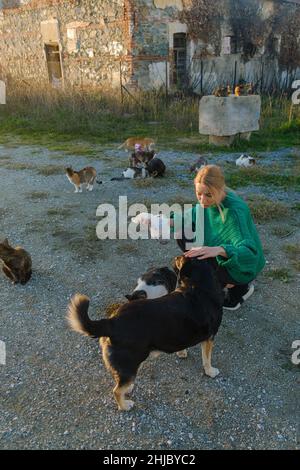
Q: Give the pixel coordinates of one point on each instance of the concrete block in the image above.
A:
(229, 116)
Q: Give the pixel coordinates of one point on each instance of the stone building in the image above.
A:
(150, 43)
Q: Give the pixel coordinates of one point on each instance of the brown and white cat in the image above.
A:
(144, 142)
(85, 176)
(16, 263)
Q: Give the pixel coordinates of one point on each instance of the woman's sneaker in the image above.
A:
(237, 295)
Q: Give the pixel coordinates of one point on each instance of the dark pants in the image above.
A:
(221, 272)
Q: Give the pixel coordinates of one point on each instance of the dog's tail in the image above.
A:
(79, 320)
(122, 145)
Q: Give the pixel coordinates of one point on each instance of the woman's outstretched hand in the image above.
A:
(203, 252)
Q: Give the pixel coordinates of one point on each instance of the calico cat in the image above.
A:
(16, 263)
(144, 142)
(140, 158)
(85, 176)
(201, 162)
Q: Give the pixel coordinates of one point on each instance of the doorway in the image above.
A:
(54, 64)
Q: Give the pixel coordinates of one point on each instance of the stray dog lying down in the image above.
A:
(190, 315)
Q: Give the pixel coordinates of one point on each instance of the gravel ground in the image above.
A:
(55, 391)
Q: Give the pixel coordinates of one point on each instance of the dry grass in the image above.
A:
(18, 166)
(126, 248)
(50, 170)
(281, 231)
(4, 158)
(261, 176)
(85, 245)
(148, 182)
(265, 210)
(37, 195)
(292, 250)
(296, 265)
(281, 274)
(58, 211)
(36, 226)
(37, 113)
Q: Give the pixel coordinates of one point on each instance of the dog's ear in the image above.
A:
(5, 242)
(179, 262)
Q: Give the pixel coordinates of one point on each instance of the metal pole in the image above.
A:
(201, 79)
(121, 84)
(235, 73)
(262, 76)
(167, 91)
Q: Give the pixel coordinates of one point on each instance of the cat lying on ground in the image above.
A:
(16, 263)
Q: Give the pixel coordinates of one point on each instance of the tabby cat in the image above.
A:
(144, 142)
(16, 263)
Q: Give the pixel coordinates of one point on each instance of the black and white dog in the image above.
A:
(155, 283)
(190, 315)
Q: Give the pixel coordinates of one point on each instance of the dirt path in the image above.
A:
(55, 392)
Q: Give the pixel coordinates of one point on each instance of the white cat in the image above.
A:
(245, 161)
(159, 225)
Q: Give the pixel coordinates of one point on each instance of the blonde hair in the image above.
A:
(212, 177)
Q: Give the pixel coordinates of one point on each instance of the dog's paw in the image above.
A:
(182, 354)
(127, 405)
(212, 372)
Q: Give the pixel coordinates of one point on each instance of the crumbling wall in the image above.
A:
(265, 34)
(93, 40)
(131, 41)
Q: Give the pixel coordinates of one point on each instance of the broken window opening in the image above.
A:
(273, 46)
(249, 49)
(230, 45)
(54, 64)
(180, 58)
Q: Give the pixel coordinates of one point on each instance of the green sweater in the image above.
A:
(237, 235)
